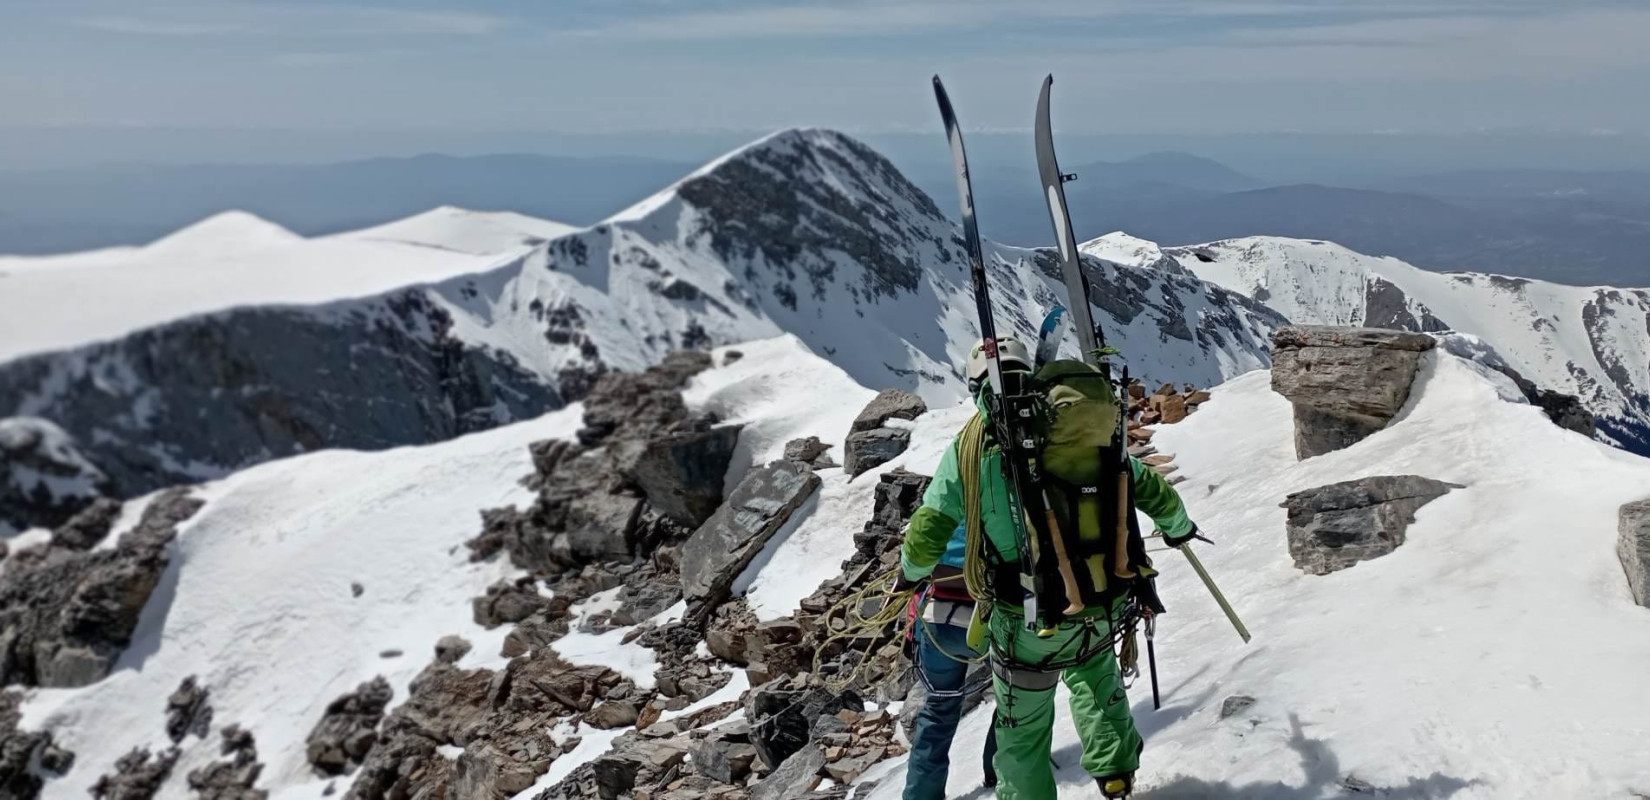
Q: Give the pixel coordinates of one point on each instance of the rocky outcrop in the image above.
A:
(871, 440)
(1344, 383)
(67, 615)
(1334, 527)
(1633, 548)
(21, 751)
(682, 473)
(232, 777)
(640, 454)
(716, 553)
(349, 728)
(44, 477)
(84, 530)
(138, 775)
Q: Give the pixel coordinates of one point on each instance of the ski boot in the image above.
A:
(1116, 787)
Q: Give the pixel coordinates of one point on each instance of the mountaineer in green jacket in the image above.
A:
(1090, 498)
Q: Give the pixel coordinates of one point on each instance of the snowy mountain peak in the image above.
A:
(222, 233)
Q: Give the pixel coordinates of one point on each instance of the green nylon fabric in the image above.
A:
(1024, 719)
(930, 529)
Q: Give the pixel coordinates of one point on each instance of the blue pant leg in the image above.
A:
(936, 724)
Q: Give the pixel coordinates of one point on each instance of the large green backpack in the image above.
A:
(1084, 477)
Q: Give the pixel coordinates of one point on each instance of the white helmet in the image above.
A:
(1010, 351)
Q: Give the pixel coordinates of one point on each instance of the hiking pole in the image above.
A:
(1151, 659)
(1215, 590)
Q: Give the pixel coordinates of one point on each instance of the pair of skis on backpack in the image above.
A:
(1011, 419)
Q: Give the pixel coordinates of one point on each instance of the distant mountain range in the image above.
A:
(1576, 227)
(64, 210)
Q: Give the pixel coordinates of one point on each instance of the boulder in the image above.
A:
(1335, 526)
(794, 778)
(1235, 704)
(811, 451)
(716, 553)
(682, 473)
(783, 714)
(450, 648)
(508, 601)
(1344, 383)
(1633, 547)
(866, 450)
(888, 404)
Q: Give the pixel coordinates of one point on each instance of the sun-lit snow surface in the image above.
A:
(257, 601)
(466, 231)
(236, 259)
(1593, 342)
(1496, 654)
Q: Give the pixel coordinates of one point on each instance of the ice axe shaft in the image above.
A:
(1197, 566)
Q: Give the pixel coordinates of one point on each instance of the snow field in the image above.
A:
(257, 601)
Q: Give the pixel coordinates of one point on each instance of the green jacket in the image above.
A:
(932, 525)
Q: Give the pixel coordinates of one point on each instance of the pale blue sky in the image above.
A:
(1123, 66)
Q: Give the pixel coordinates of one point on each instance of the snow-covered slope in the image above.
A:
(257, 602)
(1496, 654)
(1593, 342)
(807, 232)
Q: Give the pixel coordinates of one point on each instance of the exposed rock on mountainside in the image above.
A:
(68, 614)
(137, 776)
(1336, 526)
(1345, 383)
(188, 712)
(1633, 547)
(44, 476)
(597, 498)
(349, 728)
(22, 751)
(201, 397)
(233, 777)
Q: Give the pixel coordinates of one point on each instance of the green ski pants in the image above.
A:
(1025, 704)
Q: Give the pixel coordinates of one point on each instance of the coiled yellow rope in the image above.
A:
(848, 620)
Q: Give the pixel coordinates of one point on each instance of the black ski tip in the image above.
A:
(1049, 80)
(937, 80)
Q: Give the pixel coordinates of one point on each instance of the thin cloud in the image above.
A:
(279, 20)
(141, 26)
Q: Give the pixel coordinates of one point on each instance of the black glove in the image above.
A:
(1180, 541)
(904, 584)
